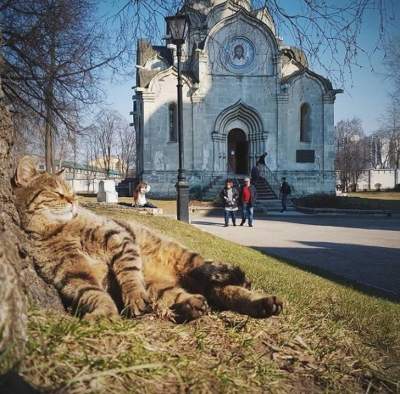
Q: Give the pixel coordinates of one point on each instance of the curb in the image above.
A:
(337, 211)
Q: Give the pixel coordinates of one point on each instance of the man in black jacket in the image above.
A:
(248, 198)
(284, 192)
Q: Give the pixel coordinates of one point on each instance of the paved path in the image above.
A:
(365, 250)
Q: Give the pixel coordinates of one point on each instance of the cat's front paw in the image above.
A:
(102, 312)
(137, 303)
(265, 306)
(192, 308)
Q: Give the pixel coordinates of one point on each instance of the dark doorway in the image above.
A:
(238, 152)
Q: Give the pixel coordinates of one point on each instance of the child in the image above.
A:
(230, 198)
(139, 196)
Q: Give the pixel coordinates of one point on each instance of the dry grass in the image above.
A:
(330, 338)
(377, 195)
(362, 200)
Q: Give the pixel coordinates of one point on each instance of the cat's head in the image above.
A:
(44, 201)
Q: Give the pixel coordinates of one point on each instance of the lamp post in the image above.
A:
(177, 28)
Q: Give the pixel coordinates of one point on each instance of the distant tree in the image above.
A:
(352, 153)
(127, 148)
(390, 130)
(108, 132)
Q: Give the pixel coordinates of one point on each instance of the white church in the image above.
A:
(245, 92)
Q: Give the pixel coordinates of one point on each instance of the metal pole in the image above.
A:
(182, 186)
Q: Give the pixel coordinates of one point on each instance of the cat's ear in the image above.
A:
(26, 170)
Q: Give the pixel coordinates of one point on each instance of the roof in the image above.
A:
(164, 53)
(325, 82)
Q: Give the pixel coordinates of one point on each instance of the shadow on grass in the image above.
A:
(337, 262)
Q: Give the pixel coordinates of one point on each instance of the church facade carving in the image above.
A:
(245, 93)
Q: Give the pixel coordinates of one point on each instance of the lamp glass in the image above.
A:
(177, 27)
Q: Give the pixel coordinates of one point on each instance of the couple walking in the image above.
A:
(232, 198)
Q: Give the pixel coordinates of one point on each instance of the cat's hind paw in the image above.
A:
(265, 306)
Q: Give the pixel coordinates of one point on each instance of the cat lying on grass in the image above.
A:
(102, 267)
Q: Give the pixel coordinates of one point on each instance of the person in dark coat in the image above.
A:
(230, 198)
(248, 198)
(255, 173)
(261, 159)
(284, 192)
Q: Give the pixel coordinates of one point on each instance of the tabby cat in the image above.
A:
(102, 267)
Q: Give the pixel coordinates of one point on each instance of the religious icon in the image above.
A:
(238, 54)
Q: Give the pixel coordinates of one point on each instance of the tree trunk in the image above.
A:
(49, 148)
(19, 281)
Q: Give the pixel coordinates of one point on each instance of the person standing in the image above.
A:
(248, 198)
(230, 198)
(284, 192)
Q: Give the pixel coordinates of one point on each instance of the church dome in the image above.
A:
(243, 3)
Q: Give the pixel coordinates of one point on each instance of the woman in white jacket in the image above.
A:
(139, 196)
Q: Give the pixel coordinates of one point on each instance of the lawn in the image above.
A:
(377, 195)
(362, 200)
(330, 337)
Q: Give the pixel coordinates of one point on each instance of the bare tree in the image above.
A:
(127, 148)
(390, 131)
(352, 153)
(106, 130)
(53, 50)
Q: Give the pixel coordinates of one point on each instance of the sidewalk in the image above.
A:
(363, 250)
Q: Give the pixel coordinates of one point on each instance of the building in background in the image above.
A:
(245, 92)
(82, 178)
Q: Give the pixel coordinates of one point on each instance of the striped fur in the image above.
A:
(103, 267)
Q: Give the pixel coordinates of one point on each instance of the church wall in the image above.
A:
(307, 177)
(223, 82)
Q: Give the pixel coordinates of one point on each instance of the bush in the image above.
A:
(378, 186)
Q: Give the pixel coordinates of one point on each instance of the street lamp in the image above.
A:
(177, 28)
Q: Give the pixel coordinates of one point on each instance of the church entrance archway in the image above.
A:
(238, 152)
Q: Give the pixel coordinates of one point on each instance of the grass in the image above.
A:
(377, 195)
(362, 200)
(330, 337)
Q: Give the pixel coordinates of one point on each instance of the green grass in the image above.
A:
(362, 200)
(330, 337)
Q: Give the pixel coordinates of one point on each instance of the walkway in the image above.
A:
(363, 250)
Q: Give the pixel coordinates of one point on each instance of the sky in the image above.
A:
(365, 88)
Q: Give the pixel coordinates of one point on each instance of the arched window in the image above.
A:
(172, 118)
(305, 123)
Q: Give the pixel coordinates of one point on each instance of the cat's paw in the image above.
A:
(265, 306)
(103, 312)
(192, 308)
(137, 303)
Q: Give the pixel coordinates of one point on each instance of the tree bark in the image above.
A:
(19, 282)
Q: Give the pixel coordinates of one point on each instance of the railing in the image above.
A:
(271, 179)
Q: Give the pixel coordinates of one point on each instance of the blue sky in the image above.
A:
(366, 89)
